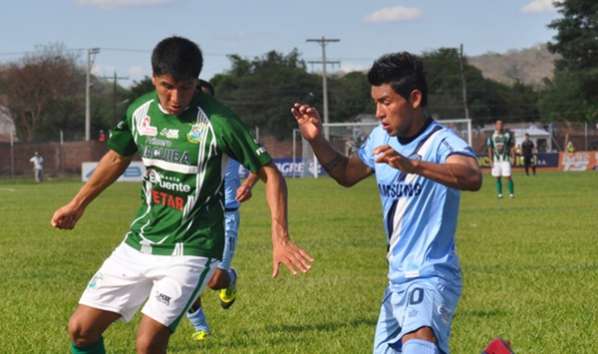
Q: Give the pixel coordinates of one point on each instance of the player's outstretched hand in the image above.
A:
(292, 256)
(66, 217)
(308, 119)
(243, 193)
(386, 154)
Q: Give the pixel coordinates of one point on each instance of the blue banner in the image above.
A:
(289, 168)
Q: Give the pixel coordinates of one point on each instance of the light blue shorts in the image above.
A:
(428, 302)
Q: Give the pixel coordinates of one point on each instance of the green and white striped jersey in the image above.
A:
(182, 210)
(501, 144)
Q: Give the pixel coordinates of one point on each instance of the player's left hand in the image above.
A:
(243, 193)
(292, 256)
(386, 154)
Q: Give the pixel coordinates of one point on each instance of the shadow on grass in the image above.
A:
(278, 335)
(493, 313)
(320, 327)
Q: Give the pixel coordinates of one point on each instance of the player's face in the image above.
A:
(175, 96)
(396, 114)
(498, 126)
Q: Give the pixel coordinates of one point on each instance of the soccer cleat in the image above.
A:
(228, 295)
(498, 346)
(200, 335)
(499, 196)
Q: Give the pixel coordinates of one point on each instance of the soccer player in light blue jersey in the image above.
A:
(420, 167)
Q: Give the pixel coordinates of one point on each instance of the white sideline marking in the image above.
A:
(8, 189)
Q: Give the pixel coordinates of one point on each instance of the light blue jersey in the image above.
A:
(420, 219)
(420, 215)
(232, 181)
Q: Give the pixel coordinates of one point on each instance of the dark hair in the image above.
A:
(206, 86)
(404, 72)
(178, 57)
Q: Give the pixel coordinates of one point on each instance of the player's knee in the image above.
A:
(422, 333)
(81, 334)
(147, 344)
(219, 280)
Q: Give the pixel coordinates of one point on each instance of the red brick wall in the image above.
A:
(58, 159)
(279, 148)
(67, 158)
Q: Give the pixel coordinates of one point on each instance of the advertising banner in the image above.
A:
(545, 159)
(290, 168)
(579, 161)
(133, 173)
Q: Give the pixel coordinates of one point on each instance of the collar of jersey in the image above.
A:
(405, 141)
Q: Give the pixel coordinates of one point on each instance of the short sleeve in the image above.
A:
(236, 141)
(366, 151)
(450, 145)
(121, 139)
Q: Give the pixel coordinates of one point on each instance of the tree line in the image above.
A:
(44, 91)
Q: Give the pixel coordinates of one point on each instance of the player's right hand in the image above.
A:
(243, 193)
(292, 256)
(66, 217)
(308, 119)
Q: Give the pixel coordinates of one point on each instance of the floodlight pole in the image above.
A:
(91, 52)
(323, 41)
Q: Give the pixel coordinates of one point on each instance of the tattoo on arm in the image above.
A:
(331, 165)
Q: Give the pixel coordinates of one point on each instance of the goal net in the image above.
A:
(348, 137)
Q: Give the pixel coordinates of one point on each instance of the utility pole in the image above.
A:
(115, 79)
(323, 41)
(463, 84)
(91, 53)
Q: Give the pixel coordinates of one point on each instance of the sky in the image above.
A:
(127, 30)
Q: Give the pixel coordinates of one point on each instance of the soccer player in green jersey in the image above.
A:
(500, 152)
(185, 138)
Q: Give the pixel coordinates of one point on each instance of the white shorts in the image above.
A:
(501, 169)
(128, 278)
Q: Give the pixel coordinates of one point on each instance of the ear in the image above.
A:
(415, 99)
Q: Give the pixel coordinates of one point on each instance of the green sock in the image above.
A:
(498, 186)
(97, 348)
(511, 187)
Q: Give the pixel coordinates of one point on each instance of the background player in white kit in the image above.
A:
(420, 166)
(501, 151)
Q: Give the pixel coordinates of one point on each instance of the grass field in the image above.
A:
(530, 269)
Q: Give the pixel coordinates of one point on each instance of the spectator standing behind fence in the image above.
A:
(38, 167)
(527, 150)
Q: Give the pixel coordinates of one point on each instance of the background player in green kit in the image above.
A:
(500, 152)
(185, 138)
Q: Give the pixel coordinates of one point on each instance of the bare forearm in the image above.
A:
(111, 166)
(453, 175)
(251, 180)
(333, 161)
(276, 197)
